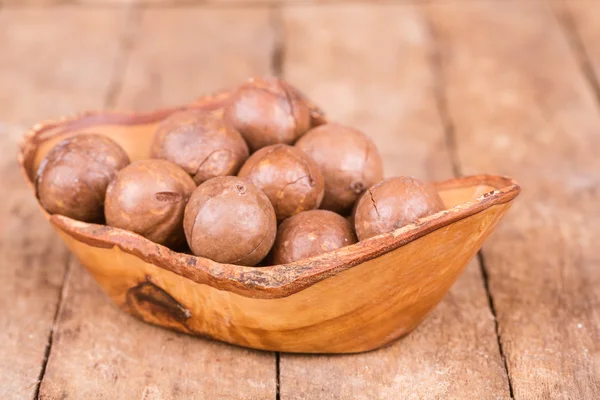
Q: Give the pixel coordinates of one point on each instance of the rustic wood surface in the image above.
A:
(444, 87)
(324, 55)
(539, 124)
(37, 80)
(117, 356)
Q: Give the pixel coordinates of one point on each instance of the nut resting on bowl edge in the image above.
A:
(353, 299)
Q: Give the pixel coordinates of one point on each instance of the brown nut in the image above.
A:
(148, 197)
(268, 111)
(394, 203)
(311, 233)
(290, 179)
(73, 177)
(349, 160)
(201, 143)
(229, 220)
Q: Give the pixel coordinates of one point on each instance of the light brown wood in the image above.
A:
(409, 269)
(381, 309)
(105, 353)
(113, 355)
(520, 105)
(449, 354)
(92, 3)
(183, 53)
(39, 78)
(163, 3)
(387, 91)
(393, 287)
(372, 68)
(582, 24)
(63, 79)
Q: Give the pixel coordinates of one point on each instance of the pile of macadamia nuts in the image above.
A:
(259, 181)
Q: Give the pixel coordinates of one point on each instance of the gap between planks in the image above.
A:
(126, 40)
(569, 28)
(59, 304)
(121, 62)
(277, 68)
(277, 377)
(437, 59)
(486, 280)
(278, 52)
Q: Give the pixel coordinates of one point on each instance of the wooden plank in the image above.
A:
(581, 18)
(182, 53)
(370, 66)
(99, 352)
(149, 3)
(169, 3)
(178, 54)
(522, 107)
(47, 68)
(94, 3)
(46, 72)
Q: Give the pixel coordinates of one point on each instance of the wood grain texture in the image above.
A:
(174, 58)
(46, 70)
(521, 106)
(371, 66)
(388, 92)
(391, 292)
(107, 354)
(116, 3)
(394, 279)
(39, 79)
(582, 22)
(165, 3)
(182, 53)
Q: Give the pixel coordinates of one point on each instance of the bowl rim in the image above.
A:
(274, 281)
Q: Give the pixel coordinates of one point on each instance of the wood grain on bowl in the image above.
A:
(394, 279)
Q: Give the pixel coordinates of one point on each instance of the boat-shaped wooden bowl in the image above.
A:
(354, 299)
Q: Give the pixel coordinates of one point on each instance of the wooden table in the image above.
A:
(447, 87)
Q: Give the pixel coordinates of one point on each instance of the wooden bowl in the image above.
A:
(350, 300)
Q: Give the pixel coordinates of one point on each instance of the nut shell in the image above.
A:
(394, 203)
(229, 220)
(349, 160)
(311, 233)
(201, 143)
(148, 197)
(291, 180)
(73, 177)
(267, 111)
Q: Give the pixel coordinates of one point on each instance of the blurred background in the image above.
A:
(444, 87)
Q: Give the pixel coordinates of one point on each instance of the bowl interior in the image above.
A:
(134, 133)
